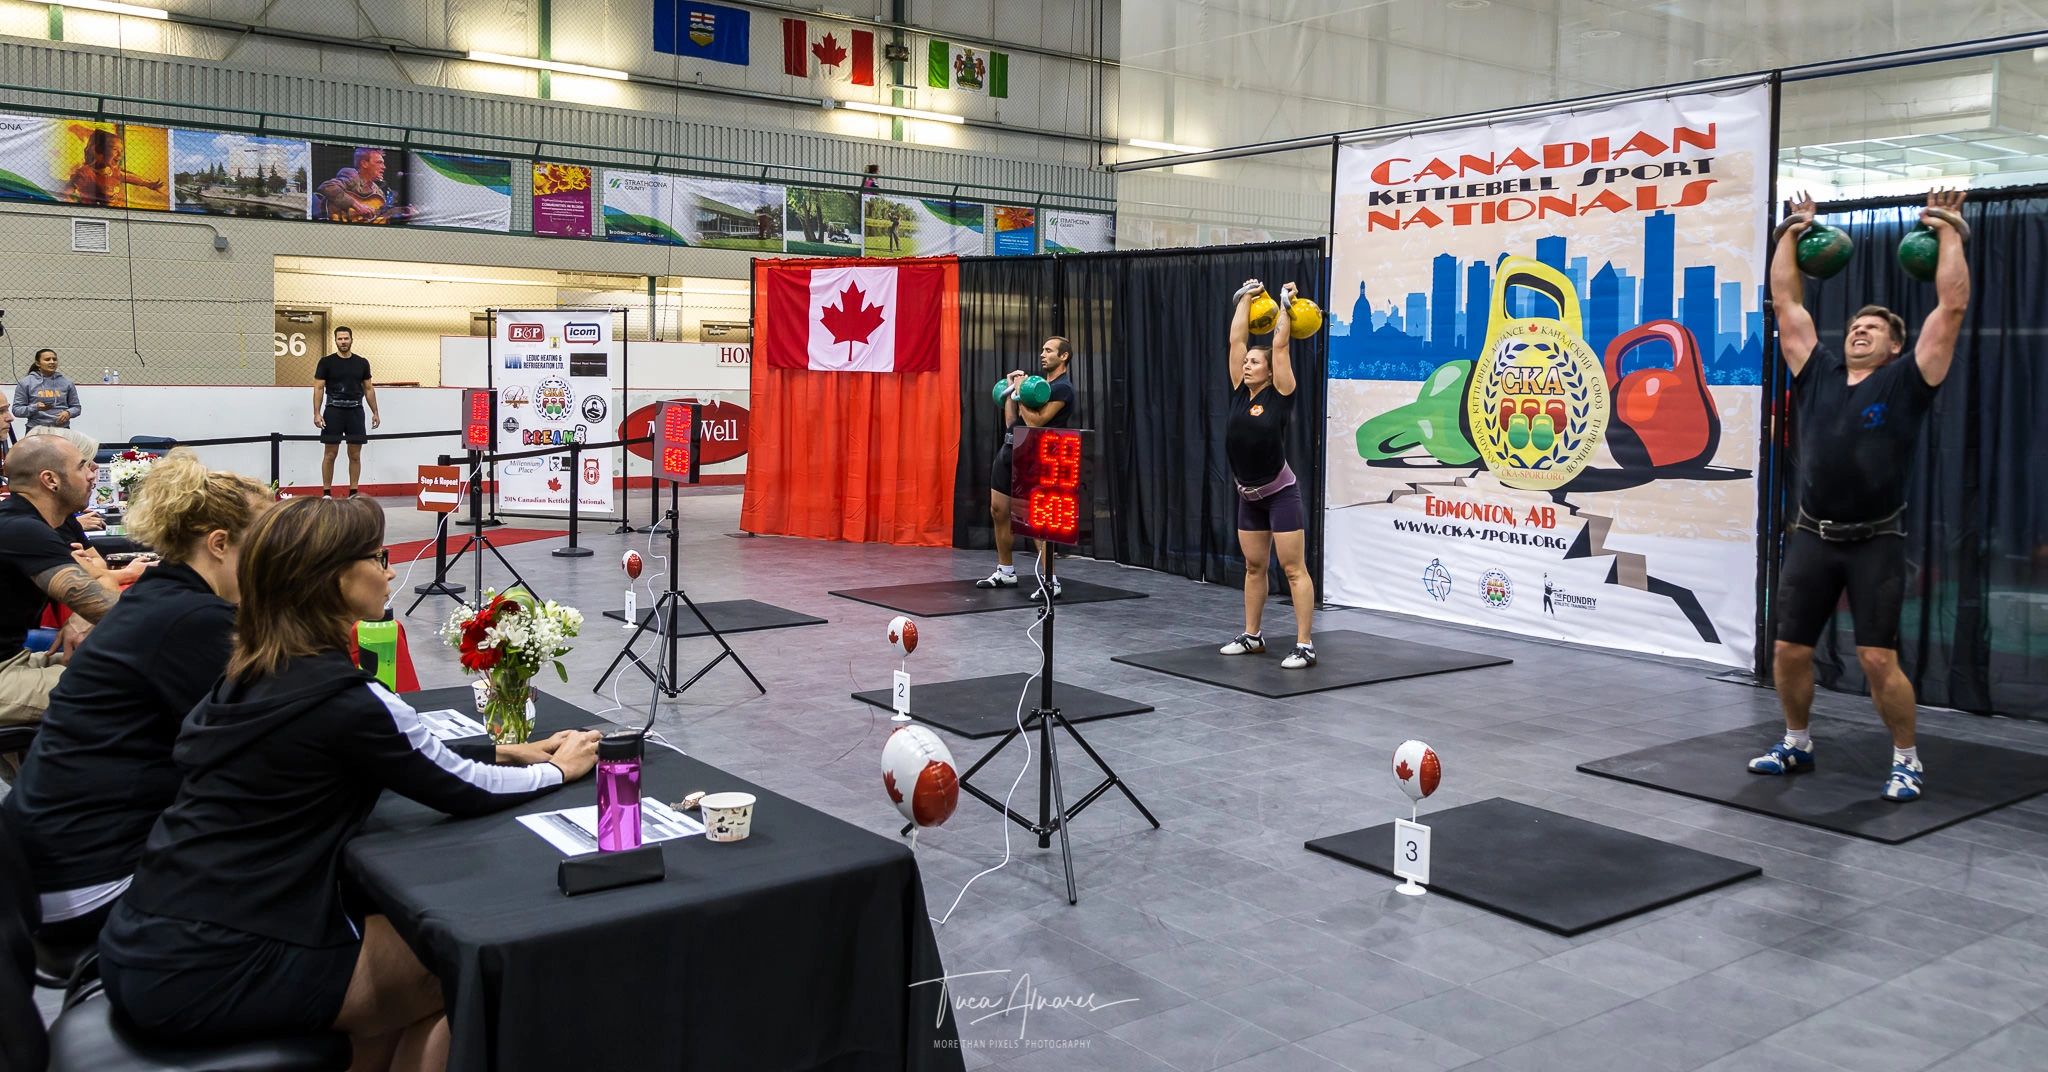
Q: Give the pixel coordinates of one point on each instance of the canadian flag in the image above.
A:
(856, 319)
(841, 53)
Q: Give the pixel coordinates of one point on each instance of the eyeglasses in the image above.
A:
(382, 557)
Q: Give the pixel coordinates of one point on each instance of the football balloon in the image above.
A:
(903, 634)
(1417, 768)
(918, 773)
(631, 564)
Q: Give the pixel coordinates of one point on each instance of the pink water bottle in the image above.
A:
(618, 791)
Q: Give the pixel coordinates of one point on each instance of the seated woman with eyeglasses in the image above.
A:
(100, 770)
(235, 926)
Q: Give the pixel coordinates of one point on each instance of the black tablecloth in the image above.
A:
(794, 949)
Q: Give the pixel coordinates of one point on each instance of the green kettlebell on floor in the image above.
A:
(1034, 391)
(1824, 251)
(1001, 391)
(1920, 253)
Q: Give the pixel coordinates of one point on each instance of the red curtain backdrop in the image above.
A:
(866, 457)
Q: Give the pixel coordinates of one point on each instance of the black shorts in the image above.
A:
(1278, 512)
(999, 473)
(1815, 574)
(345, 422)
(178, 979)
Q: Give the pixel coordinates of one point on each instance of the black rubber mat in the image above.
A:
(730, 616)
(937, 599)
(1343, 658)
(1841, 792)
(987, 706)
(1548, 870)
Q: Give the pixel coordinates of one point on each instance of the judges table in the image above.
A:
(794, 949)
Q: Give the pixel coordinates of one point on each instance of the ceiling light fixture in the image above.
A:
(548, 65)
(1166, 146)
(116, 9)
(1600, 35)
(901, 113)
(1712, 61)
(1469, 5)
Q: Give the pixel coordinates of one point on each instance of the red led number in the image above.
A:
(675, 460)
(1054, 512)
(1059, 461)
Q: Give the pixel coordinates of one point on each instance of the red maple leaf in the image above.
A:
(554, 483)
(889, 783)
(828, 51)
(853, 319)
(1401, 770)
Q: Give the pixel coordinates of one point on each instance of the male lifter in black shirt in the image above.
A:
(1858, 415)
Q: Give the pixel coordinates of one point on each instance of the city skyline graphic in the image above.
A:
(1405, 337)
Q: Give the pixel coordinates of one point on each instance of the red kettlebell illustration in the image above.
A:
(1662, 417)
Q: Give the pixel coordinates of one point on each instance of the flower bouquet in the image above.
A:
(127, 468)
(505, 642)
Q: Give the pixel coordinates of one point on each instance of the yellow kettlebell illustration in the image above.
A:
(1538, 405)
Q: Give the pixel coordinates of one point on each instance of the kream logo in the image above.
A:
(525, 333)
(581, 333)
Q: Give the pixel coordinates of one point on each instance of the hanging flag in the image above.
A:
(701, 31)
(828, 51)
(856, 319)
(969, 70)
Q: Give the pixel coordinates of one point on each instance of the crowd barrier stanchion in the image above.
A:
(276, 460)
(575, 506)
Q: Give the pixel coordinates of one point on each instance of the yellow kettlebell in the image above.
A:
(1264, 312)
(1537, 410)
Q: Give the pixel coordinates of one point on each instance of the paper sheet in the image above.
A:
(448, 724)
(574, 830)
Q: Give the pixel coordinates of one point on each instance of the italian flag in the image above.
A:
(969, 70)
(841, 54)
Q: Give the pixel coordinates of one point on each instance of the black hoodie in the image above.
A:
(279, 774)
(100, 770)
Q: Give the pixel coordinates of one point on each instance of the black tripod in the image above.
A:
(478, 542)
(666, 618)
(1053, 813)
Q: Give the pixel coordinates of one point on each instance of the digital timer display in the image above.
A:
(675, 442)
(479, 418)
(1045, 482)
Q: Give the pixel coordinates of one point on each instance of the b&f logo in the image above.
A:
(581, 333)
(526, 333)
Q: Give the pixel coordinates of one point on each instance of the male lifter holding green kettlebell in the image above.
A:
(1040, 402)
(1858, 415)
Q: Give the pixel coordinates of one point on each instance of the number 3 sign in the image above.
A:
(1411, 856)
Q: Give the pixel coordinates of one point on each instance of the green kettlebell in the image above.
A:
(1920, 253)
(1543, 431)
(1823, 251)
(1035, 391)
(1518, 431)
(1430, 422)
(1001, 391)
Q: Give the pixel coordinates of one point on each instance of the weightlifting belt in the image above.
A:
(345, 403)
(1837, 532)
(1279, 483)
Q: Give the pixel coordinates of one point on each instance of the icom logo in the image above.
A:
(581, 333)
(526, 333)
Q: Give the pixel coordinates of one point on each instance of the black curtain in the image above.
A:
(1151, 337)
(1974, 634)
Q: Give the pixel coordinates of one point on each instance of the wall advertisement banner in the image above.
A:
(554, 371)
(1546, 364)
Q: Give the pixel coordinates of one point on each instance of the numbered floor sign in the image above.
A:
(1411, 852)
(901, 696)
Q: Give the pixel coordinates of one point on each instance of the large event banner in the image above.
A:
(731, 214)
(457, 190)
(900, 225)
(642, 206)
(553, 369)
(83, 162)
(1079, 232)
(1546, 361)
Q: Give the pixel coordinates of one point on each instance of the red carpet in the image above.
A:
(500, 537)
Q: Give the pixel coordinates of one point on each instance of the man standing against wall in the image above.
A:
(343, 377)
(46, 397)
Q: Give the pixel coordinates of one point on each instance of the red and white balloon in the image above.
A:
(903, 634)
(631, 564)
(1417, 768)
(918, 772)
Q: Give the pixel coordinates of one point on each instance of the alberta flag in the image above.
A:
(969, 70)
(856, 319)
(840, 54)
(703, 31)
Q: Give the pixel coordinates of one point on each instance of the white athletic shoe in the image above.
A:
(1302, 657)
(998, 579)
(1040, 594)
(1245, 644)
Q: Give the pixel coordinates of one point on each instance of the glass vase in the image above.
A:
(508, 711)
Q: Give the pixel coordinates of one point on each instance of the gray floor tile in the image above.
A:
(1552, 993)
(1736, 1005)
(1859, 1045)
(1382, 1042)
(1768, 1057)
(1455, 954)
(1197, 1037)
(1929, 1015)
(1368, 978)
(1619, 966)
(1289, 1058)
(1980, 988)
(1796, 976)
(1472, 1020)
(1204, 969)
(2020, 1048)
(2007, 956)
(1291, 1007)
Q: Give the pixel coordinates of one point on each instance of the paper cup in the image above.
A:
(727, 816)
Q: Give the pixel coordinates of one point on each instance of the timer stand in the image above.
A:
(1047, 463)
